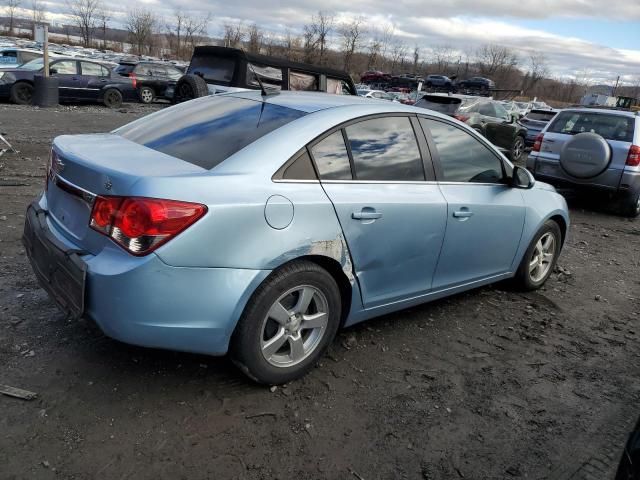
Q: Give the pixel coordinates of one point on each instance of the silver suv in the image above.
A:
(596, 148)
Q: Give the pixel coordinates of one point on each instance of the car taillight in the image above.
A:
(133, 78)
(633, 158)
(140, 224)
(538, 143)
(462, 118)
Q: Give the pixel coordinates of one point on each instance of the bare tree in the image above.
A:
(374, 48)
(323, 24)
(536, 72)
(351, 34)
(416, 58)
(492, 58)
(12, 6)
(195, 27)
(442, 56)
(290, 44)
(140, 25)
(83, 14)
(38, 13)
(255, 38)
(175, 32)
(398, 52)
(233, 34)
(103, 16)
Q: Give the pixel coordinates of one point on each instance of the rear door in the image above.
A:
(485, 216)
(94, 78)
(393, 219)
(70, 85)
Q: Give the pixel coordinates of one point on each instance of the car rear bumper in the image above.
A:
(611, 180)
(142, 300)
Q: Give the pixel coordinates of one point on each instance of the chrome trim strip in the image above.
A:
(284, 180)
(73, 189)
(404, 182)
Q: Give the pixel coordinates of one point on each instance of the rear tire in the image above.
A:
(146, 95)
(631, 206)
(190, 87)
(112, 98)
(540, 258)
(275, 340)
(22, 93)
(517, 149)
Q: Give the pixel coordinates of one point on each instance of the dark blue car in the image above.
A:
(79, 81)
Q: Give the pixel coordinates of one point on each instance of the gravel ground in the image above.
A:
(490, 384)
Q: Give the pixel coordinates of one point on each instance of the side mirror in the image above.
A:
(514, 117)
(53, 71)
(522, 178)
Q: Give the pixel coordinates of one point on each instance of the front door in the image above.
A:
(70, 84)
(392, 219)
(485, 216)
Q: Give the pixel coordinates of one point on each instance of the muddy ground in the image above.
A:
(491, 384)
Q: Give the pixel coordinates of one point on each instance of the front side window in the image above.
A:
(332, 158)
(385, 149)
(611, 127)
(65, 67)
(463, 158)
(208, 130)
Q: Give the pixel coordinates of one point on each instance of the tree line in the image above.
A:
(352, 45)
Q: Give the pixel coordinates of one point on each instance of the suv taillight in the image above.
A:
(538, 142)
(134, 79)
(633, 158)
(139, 224)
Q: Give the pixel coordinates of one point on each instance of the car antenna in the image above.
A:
(263, 91)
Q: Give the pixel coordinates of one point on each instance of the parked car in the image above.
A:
(79, 81)
(14, 57)
(476, 83)
(592, 148)
(438, 81)
(629, 466)
(379, 94)
(153, 79)
(488, 117)
(245, 223)
(534, 122)
(219, 69)
(374, 76)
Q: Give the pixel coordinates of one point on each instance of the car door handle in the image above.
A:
(103, 80)
(366, 215)
(462, 214)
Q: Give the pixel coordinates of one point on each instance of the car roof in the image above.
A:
(310, 102)
(612, 111)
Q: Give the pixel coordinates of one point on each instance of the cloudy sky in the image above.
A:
(583, 38)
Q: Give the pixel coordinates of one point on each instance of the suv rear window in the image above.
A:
(610, 127)
(207, 131)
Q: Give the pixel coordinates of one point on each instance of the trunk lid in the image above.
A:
(83, 166)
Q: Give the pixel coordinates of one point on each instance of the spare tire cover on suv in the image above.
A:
(585, 155)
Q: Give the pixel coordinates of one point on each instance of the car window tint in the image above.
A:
(486, 109)
(174, 73)
(300, 169)
(462, 157)
(302, 81)
(213, 68)
(332, 159)
(66, 67)
(91, 69)
(611, 127)
(385, 149)
(209, 130)
(271, 77)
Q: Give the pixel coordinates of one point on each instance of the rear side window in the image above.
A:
(124, 69)
(271, 77)
(385, 149)
(462, 157)
(93, 69)
(332, 158)
(610, 127)
(207, 131)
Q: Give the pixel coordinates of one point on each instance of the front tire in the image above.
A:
(540, 258)
(22, 93)
(631, 206)
(288, 324)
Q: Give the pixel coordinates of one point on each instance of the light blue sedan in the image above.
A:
(260, 225)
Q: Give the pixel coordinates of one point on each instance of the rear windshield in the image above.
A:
(209, 130)
(213, 69)
(542, 116)
(446, 105)
(610, 127)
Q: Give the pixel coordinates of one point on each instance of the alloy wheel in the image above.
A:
(294, 326)
(518, 148)
(146, 95)
(542, 257)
